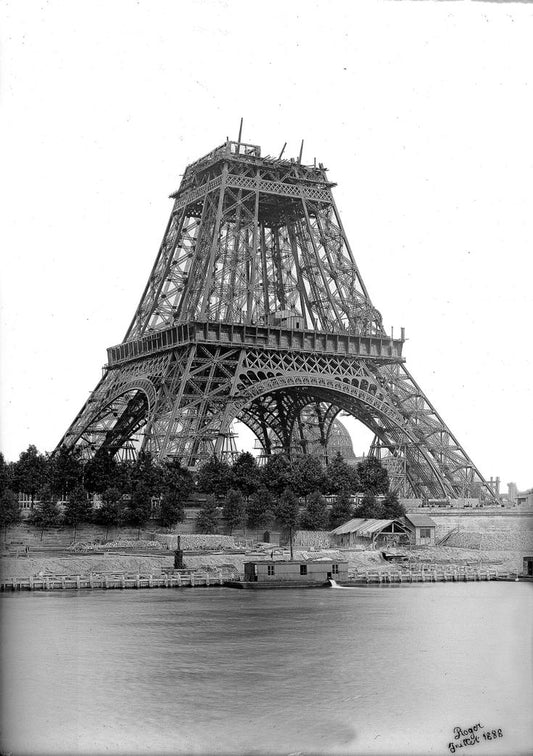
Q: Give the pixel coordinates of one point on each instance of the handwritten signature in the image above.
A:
(467, 736)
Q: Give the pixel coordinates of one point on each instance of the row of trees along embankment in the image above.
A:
(289, 492)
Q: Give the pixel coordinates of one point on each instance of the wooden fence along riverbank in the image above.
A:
(432, 575)
(190, 579)
(114, 581)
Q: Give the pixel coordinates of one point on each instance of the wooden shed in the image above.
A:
(365, 532)
(422, 529)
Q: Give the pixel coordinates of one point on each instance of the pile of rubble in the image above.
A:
(137, 544)
(83, 546)
(313, 539)
(195, 542)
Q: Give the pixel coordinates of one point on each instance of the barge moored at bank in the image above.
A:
(291, 574)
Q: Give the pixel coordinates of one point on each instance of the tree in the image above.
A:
(177, 479)
(147, 473)
(214, 477)
(109, 514)
(276, 474)
(30, 472)
(6, 475)
(176, 484)
(78, 508)
(140, 507)
(288, 512)
(373, 478)
(315, 516)
(307, 475)
(46, 514)
(340, 476)
(66, 471)
(245, 475)
(207, 520)
(341, 511)
(103, 471)
(391, 506)
(260, 509)
(171, 510)
(234, 511)
(9, 510)
(369, 507)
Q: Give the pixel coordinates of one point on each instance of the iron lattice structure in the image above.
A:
(255, 310)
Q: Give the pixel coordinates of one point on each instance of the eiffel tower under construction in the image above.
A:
(255, 311)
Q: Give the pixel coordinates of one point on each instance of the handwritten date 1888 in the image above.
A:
(468, 736)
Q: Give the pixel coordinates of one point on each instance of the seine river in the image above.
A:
(377, 670)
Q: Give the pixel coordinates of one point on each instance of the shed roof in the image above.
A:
(372, 526)
(420, 520)
(363, 526)
(349, 527)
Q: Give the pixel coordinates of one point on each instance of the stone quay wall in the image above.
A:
(487, 530)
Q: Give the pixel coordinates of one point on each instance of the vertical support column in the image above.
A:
(301, 432)
(253, 257)
(283, 423)
(197, 425)
(302, 291)
(323, 439)
(222, 301)
(327, 293)
(278, 268)
(229, 411)
(233, 264)
(186, 303)
(214, 245)
(183, 378)
(265, 288)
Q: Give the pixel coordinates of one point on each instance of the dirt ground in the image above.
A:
(77, 564)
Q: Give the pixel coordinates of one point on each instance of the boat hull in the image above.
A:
(271, 584)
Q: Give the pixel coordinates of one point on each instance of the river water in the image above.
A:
(377, 670)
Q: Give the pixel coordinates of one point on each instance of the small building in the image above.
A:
(421, 528)
(524, 499)
(369, 532)
(299, 573)
(528, 566)
(270, 536)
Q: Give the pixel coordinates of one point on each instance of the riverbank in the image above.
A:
(73, 563)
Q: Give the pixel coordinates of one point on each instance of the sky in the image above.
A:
(422, 112)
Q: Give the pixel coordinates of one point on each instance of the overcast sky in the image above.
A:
(423, 113)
